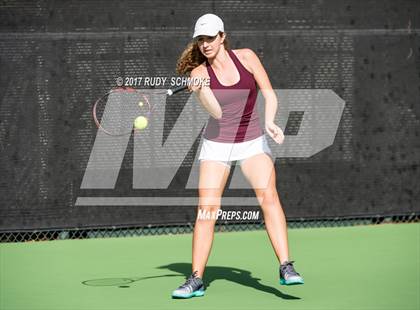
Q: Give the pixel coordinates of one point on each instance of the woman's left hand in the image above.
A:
(274, 132)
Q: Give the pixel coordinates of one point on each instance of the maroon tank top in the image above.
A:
(240, 121)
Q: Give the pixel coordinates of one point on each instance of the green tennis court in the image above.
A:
(358, 267)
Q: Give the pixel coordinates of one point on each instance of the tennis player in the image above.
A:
(233, 133)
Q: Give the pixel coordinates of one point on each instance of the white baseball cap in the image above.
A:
(208, 25)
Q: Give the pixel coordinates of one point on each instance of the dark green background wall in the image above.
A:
(57, 57)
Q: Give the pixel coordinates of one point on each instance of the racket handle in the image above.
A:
(172, 91)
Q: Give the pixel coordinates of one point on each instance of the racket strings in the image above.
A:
(115, 112)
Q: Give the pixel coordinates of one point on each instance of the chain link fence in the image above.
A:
(153, 230)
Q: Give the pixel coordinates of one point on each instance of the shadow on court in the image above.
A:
(239, 276)
(122, 282)
(183, 270)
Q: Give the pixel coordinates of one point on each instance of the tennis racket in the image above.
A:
(124, 109)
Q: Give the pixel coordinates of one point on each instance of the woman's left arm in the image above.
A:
(270, 97)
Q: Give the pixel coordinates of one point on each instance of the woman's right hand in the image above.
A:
(206, 98)
(195, 87)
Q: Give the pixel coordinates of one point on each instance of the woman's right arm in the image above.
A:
(205, 95)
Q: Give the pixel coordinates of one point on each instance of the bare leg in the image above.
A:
(212, 181)
(259, 171)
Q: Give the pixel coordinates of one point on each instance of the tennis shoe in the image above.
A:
(288, 274)
(193, 287)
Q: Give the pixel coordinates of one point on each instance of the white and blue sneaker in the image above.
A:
(288, 274)
(193, 287)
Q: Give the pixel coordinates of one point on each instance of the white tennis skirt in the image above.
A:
(226, 152)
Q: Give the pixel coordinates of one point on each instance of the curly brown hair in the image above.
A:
(192, 57)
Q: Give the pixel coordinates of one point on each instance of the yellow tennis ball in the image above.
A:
(141, 103)
(140, 122)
